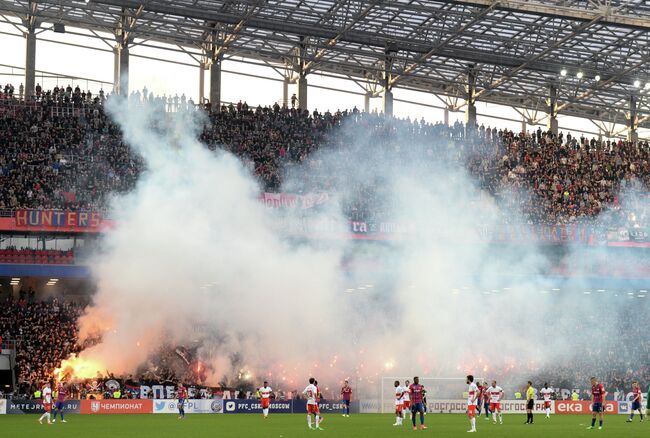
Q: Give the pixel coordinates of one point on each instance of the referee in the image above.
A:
(530, 402)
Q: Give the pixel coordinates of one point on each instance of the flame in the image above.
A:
(78, 368)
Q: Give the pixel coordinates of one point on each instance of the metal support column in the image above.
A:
(552, 124)
(202, 68)
(285, 92)
(124, 69)
(30, 61)
(116, 69)
(470, 111)
(215, 82)
(121, 66)
(387, 104)
(302, 75)
(632, 133)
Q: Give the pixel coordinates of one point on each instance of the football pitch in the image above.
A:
(295, 426)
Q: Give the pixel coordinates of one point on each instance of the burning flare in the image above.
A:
(77, 368)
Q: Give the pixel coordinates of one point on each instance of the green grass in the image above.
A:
(295, 426)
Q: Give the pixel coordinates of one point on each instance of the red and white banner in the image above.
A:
(582, 407)
(289, 200)
(116, 406)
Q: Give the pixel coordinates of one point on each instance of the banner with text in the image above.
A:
(460, 406)
(116, 406)
(582, 407)
(290, 200)
(71, 221)
(20, 406)
(192, 406)
(572, 233)
(284, 406)
(255, 406)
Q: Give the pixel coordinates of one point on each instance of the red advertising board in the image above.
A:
(18, 224)
(116, 406)
(582, 407)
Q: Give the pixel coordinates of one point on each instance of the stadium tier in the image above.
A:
(65, 153)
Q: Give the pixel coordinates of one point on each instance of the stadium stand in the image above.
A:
(62, 151)
(55, 158)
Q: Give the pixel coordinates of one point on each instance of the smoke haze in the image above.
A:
(195, 258)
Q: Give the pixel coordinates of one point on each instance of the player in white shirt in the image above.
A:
(265, 397)
(547, 393)
(311, 393)
(496, 394)
(399, 403)
(472, 399)
(47, 403)
(406, 399)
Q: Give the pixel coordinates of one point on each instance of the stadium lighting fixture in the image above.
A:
(563, 72)
(647, 85)
(597, 78)
(637, 83)
(579, 75)
(587, 292)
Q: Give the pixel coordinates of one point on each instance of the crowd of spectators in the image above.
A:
(74, 160)
(45, 332)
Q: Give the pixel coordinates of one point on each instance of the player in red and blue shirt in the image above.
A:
(346, 395)
(181, 393)
(60, 403)
(636, 401)
(597, 403)
(417, 401)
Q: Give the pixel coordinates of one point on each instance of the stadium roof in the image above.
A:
(518, 48)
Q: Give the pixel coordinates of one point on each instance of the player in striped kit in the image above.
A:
(547, 394)
(181, 393)
(47, 404)
(495, 393)
(636, 401)
(417, 402)
(406, 400)
(597, 403)
(265, 398)
(311, 393)
(472, 400)
(399, 406)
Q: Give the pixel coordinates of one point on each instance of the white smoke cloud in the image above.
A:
(194, 247)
